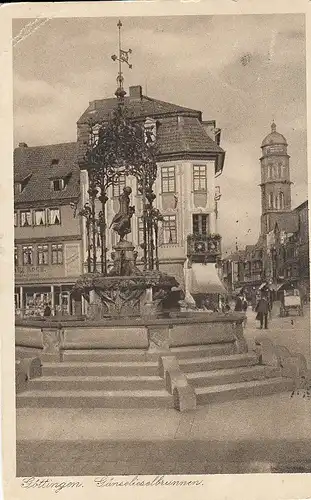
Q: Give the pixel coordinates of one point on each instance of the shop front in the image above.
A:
(45, 299)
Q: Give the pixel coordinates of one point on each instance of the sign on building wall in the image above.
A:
(72, 259)
(30, 272)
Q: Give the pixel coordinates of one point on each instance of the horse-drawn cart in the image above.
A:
(291, 301)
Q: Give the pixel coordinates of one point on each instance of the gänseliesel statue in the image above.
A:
(121, 223)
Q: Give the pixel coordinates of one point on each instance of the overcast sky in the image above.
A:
(242, 71)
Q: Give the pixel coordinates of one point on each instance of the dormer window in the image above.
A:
(17, 188)
(58, 184)
(20, 184)
(54, 162)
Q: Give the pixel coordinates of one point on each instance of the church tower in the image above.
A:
(275, 180)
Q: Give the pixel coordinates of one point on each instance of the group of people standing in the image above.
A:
(262, 307)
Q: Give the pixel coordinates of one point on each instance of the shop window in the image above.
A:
(199, 178)
(200, 224)
(43, 255)
(57, 254)
(15, 219)
(26, 218)
(168, 181)
(27, 255)
(118, 186)
(169, 229)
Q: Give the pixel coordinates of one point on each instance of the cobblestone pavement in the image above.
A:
(82, 458)
(269, 434)
(292, 332)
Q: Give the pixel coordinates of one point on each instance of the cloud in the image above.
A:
(241, 71)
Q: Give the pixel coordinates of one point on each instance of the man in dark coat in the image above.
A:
(262, 310)
(239, 303)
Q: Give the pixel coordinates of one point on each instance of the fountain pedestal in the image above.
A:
(127, 291)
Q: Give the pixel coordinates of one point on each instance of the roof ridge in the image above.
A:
(170, 104)
(46, 145)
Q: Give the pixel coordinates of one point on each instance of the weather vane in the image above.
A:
(123, 58)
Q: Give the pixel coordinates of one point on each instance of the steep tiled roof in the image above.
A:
(179, 130)
(184, 134)
(137, 108)
(37, 164)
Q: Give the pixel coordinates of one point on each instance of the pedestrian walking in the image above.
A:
(239, 303)
(47, 311)
(244, 308)
(262, 310)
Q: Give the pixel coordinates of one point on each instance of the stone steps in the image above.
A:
(108, 355)
(111, 355)
(126, 378)
(121, 368)
(203, 351)
(198, 364)
(93, 382)
(95, 399)
(241, 390)
(231, 375)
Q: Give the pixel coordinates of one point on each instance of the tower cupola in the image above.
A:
(275, 179)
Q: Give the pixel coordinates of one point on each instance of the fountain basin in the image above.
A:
(184, 329)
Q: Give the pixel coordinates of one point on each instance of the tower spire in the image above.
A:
(273, 126)
(123, 57)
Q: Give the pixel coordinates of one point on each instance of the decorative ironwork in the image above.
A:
(203, 247)
(120, 146)
(122, 58)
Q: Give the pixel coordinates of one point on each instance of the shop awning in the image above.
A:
(262, 286)
(205, 279)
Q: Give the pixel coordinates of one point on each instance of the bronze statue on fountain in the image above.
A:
(121, 223)
(124, 256)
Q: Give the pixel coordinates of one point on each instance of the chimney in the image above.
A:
(136, 92)
(23, 145)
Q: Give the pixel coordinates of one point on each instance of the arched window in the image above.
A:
(281, 200)
(275, 171)
(276, 202)
(283, 170)
(280, 170)
(270, 166)
(270, 201)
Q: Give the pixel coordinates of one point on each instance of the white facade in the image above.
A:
(180, 197)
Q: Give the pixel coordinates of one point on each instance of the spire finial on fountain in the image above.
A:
(123, 57)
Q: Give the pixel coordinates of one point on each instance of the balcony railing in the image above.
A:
(203, 247)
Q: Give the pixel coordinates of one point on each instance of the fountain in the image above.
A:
(125, 290)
